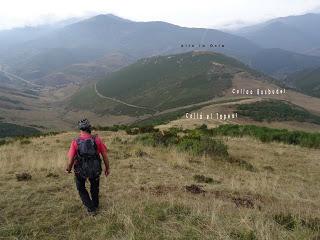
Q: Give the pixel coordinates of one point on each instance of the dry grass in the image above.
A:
(246, 81)
(145, 195)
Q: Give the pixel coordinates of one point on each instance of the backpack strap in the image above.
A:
(94, 137)
(77, 140)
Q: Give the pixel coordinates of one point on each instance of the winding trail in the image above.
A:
(119, 101)
(157, 112)
(11, 75)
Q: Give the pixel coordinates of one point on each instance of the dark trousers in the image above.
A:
(90, 203)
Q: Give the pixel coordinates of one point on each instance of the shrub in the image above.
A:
(311, 223)
(25, 141)
(52, 175)
(243, 235)
(203, 127)
(288, 221)
(23, 176)
(175, 130)
(195, 189)
(204, 179)
(275, 110)
(192, 143)
(202, 145)
(264, 134)
(148, 129)
(140, 130)
(132, 131)
(200, 131)
(158, 139)
(3, 142)
(140, 153)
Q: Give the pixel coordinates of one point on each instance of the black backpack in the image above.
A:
(88, 161)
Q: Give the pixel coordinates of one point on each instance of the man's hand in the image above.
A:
(106, 163)
(70, 164)
(107, 172)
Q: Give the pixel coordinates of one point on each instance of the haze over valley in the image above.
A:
(117, 71)
(210, 113)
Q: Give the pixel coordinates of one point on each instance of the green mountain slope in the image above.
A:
(171, 81)
(12, 130)
(279, 63)
(307, 81)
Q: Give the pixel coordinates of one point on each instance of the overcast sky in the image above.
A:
(197, 13)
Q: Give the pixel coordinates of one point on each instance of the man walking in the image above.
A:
(84, 155)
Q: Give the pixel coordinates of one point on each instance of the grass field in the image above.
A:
(145, 196)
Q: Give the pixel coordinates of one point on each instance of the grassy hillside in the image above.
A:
(162, 82)
(87, 99)
(82, 72)
(54, 59)
(3, 78)
(279, 63)
(13, 130)
(171, 81)
(307, 81)
(276, 110)
(256, 191)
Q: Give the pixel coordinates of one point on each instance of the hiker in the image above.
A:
(84, 155)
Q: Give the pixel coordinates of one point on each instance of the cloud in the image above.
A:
(199, 13)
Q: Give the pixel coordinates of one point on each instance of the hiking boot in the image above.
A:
(92, 212)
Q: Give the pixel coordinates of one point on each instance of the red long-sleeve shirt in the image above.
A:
(101, 147)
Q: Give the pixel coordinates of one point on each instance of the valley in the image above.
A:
(123, 82)
(210, 133)
(57, 108)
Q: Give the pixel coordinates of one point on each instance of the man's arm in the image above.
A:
(69, 164)
(106, 162)
(71, 157)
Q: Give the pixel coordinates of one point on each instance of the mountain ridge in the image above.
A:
(105, 34)
(298, 33)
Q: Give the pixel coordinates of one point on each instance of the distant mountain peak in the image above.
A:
(297, 33)
(103, 17)
(281, 26)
